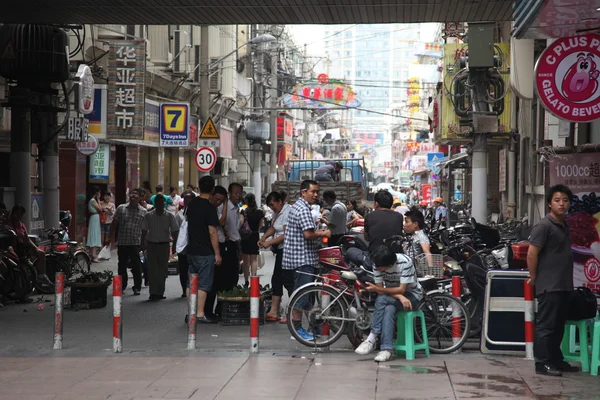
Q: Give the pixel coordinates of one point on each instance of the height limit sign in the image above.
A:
(206, 158)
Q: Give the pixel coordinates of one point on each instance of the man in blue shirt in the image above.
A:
(458, 193)
(441, 213)
(300, 247)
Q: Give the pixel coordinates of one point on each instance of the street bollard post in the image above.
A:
(117, 320)
(254, 313)
(529, 318)
(59, 309)
(192, 311)
(456, 329)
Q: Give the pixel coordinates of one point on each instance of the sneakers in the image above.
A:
(365, 348)
(383, 356)
(304, 335)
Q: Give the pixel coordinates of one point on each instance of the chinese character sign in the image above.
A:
(126, 65)
(581, 172)
(316, 94)
(100, 163)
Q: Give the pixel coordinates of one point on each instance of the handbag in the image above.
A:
(102, 217)
(245, 231)
(182, 238)
(583, 304)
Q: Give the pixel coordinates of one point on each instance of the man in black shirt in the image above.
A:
(384, 222)
(550, 264)
(203, 250)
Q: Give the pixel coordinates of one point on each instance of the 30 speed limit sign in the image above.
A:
(206, 158)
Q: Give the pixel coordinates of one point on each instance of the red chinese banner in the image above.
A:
(581, 173)
(426, 192)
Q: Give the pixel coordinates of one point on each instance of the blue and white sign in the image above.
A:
(174, 124)
(432, 159)
(100, 164)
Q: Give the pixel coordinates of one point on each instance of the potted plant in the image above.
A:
(88, 289)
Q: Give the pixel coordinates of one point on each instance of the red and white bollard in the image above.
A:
(59, 283)
(456, 328)
(117, 321)
(529, 318)
(254, 313)
(192, 311)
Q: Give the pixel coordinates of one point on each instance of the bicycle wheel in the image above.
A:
(447, 322)
(21, 287)
(81, 262)
(54, 265)
(317, 317)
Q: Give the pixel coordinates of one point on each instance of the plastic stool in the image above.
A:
(405, 335)
(595, 347)
(577, 353)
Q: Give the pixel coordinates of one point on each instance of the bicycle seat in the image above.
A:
(73, 243)
(351, 276)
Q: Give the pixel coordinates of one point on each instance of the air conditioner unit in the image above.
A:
(233, 165)
(225, 167)
(180, 51)
(214, 76)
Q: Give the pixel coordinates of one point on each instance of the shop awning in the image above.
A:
(448, 161)
(420, 171)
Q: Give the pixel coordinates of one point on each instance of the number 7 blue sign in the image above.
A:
(174, 124)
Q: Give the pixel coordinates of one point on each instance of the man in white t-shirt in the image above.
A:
(398, 289)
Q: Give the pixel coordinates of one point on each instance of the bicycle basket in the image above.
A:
(437, 268)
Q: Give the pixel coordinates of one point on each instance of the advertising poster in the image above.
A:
(581, 173)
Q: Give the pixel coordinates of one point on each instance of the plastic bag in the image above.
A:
(261, 260)
(104, 253)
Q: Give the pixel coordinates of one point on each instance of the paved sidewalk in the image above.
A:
(225, 376)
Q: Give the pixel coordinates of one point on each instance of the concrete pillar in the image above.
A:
(479, 179)
(49, 160)
(20, 150)
(256, 178)
(158, 38)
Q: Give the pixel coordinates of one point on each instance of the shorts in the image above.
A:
(306, 301)
(204, 266)
(105, 228)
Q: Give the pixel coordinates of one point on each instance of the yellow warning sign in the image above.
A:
(209, 130)
(9, 52)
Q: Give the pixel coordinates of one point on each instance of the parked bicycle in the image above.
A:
(68, 257)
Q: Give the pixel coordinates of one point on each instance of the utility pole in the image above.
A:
(273, 120)
(204, 81)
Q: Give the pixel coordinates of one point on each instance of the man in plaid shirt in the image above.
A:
(300, 247)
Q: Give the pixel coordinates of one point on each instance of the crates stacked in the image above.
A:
(237, 312)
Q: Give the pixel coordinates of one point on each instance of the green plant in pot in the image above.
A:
(92, 277)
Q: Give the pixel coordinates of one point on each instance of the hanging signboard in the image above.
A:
(174, 124)
(77, 129)
(36, 226)
(581, 173)
(88, 148)
(126, 77)
(97, 118)
(322, 93)
(426, 192)
(100, 164)
(566, 78)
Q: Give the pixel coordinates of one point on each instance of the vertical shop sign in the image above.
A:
(426, 192)
(126, 65)
(100, 167)
(581, 173)
(502, 173)
(36, 226)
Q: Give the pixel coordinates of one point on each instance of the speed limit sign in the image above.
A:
(206, 158)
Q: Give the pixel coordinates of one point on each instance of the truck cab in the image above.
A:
(353, 170)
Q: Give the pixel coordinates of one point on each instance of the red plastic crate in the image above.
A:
(520, 251)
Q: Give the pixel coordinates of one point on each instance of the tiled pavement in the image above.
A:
(227, 375)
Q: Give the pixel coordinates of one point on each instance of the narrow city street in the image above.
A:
(156, 364)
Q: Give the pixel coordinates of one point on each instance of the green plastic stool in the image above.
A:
(577, 353)
(595, 347)
(405, 334)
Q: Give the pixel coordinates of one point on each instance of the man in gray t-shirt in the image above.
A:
(336, 220)
(550, 264)
(397, 289)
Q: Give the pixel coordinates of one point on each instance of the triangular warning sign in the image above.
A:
(209, 131)
(9, 52)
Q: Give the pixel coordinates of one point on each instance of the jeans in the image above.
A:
(126, 255)
(306, 301)
(551, 316)
(323, 178)
(384, 318)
